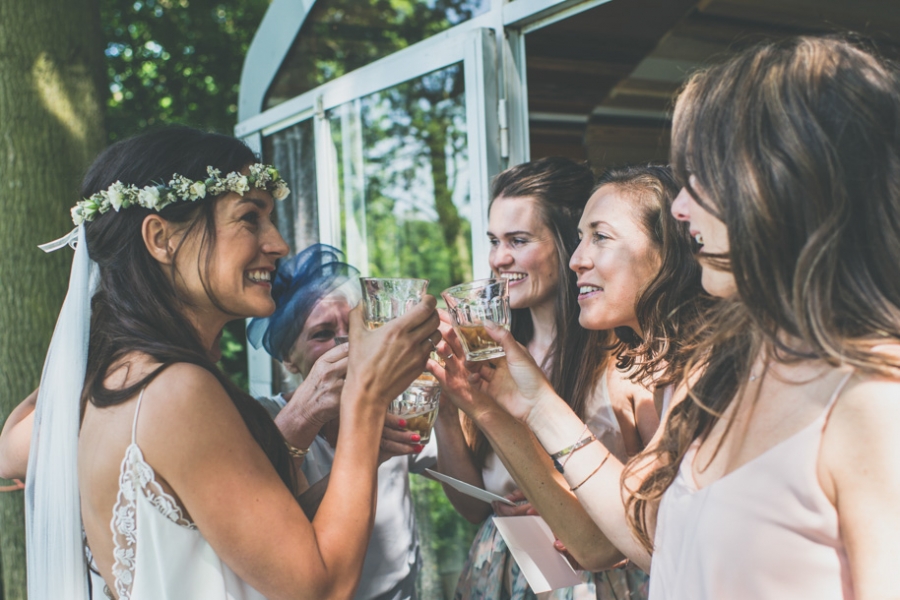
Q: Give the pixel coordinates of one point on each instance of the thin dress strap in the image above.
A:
(137, 409)
(136, 480)
(837, 393)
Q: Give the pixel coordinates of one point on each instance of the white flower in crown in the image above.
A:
(180, 188)
(148, 197)
(181, 185)
(197, 190)
(235, 182)
(115, 194)
(281, 191)
(259, 174)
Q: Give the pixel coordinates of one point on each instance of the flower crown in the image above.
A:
(180, 189)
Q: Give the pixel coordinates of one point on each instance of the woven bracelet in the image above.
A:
(560, 466)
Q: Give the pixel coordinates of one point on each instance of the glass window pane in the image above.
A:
(402, 166)
(339, 36)
(292, 152)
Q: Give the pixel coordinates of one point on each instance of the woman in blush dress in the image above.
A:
(779, 475)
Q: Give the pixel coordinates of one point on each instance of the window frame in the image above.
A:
(491, 47)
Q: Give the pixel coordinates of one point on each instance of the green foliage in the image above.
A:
(234, 353)
(452, 535)
(342, 35)
(175, 61)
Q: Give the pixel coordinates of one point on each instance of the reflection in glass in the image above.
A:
(339, 36)
(292, 152)
(402, 165)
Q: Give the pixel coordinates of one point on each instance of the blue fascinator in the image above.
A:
(300, 282)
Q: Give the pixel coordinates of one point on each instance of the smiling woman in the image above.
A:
(163, 430)
(533, 232)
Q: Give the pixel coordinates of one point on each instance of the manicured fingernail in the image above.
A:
(402, 422)
(419, 447)
(415, 437)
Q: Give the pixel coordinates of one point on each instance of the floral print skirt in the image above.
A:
(491, 573)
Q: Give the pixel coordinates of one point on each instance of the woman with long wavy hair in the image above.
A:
(778, 476)
(600, 380)
(632, 273)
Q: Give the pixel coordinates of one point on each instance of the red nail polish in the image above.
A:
(415, 437)
(402, 422)
(419, 447)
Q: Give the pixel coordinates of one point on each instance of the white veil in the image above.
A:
(55, 547)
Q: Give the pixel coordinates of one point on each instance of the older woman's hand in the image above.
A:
(318, 398)
(397, 440)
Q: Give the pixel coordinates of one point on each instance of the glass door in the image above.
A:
(392, 164)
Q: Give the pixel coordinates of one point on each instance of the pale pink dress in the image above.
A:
(764, 531)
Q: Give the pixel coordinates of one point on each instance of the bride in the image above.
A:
(187, 489)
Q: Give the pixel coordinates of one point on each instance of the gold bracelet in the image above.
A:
(594, 472)
(295, 452)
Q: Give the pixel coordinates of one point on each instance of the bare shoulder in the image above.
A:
(860, 442)
(619, 383)
(867, 400)
(185, 406)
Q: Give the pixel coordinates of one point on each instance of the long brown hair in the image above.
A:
(796, 146)
(137, 307)
(560, 188)
(671, 307)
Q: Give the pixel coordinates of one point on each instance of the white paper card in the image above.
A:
(469, 490)
(531, 543)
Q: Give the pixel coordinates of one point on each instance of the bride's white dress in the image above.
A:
(159, 554)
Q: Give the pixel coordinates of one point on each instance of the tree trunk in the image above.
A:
(448, 215)
(51, 126)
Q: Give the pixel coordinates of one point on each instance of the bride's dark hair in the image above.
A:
(137, 307)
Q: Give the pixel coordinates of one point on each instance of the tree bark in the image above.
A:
(51, 126)
(448, 215)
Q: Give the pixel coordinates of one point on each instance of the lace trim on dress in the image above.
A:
(136, 476)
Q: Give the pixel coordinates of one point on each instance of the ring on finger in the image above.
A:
(431, 341)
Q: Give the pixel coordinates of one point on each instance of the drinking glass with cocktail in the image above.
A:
(385, 299)
(470, 305)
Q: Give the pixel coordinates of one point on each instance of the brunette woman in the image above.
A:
(532, 231)
(635, 275)
(187, 488)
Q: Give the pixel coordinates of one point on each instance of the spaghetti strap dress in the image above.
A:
(765, 530)
(159, 554)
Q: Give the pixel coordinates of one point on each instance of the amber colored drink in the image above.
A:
(422, 424)
(477, 343)
(418, 405)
